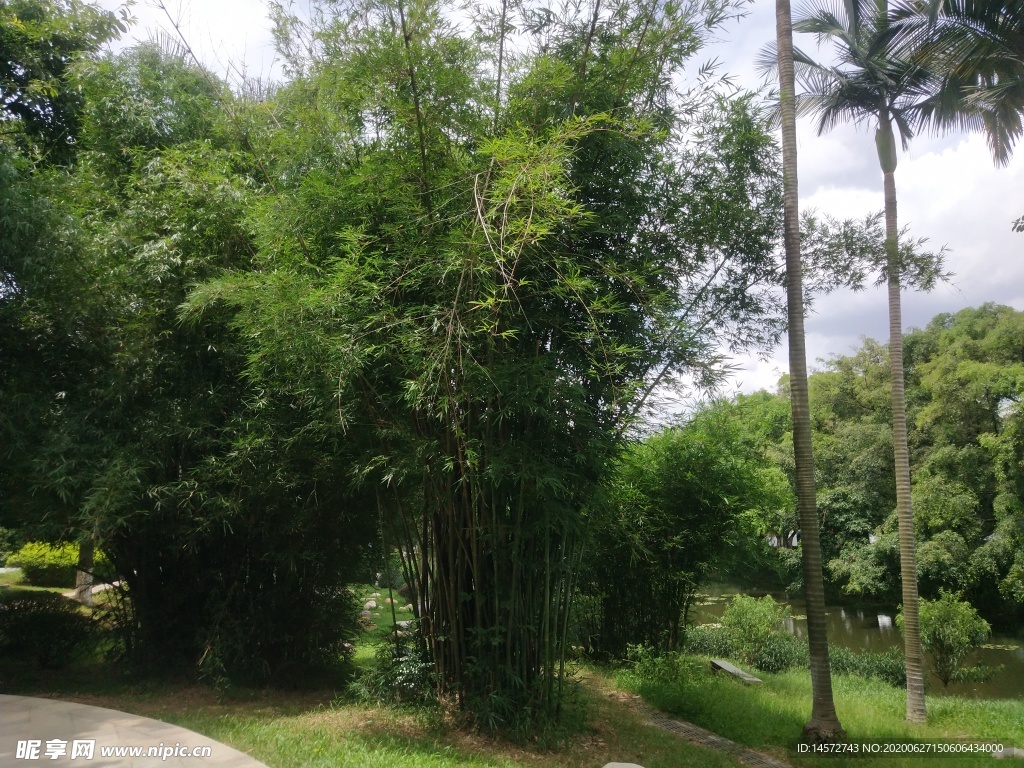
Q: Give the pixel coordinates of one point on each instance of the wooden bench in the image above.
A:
(725, 666)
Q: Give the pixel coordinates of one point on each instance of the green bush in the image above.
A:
(710, 641)
(48, 628)
(53, 565)
(889, 667)
(774, 652)
(780, 652)
(401, 673)
(649, 665)
(950, 629)
(754, 625)
(10, 542)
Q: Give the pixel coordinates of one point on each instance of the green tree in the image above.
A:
(950, 629)
(977, 47)
(489, 275)
(675, 505)
(824, 724)
(235, 540)
(964, 389)
(40, 43)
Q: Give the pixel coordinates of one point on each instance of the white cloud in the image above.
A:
(227, 35)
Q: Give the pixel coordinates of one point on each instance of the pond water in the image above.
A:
(874, 629)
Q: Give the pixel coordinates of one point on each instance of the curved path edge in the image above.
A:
(25, 720)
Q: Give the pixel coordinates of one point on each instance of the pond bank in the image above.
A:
(872, 628)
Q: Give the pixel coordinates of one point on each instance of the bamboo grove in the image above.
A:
(416, 299)
(493, 250)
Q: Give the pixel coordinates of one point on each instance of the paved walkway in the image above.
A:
(706, 738)
(31, 726)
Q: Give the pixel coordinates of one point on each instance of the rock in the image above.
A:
(364, 614)
(388, 601)
(369, 605)
(622, 765)
(407, 607)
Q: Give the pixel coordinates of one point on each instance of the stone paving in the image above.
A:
(31, 729)
(706, 738)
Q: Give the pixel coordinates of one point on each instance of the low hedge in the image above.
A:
(54, 565)
(890, 666)
(47, 628)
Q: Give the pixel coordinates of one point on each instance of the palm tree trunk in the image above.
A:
(824, 726)
(904, 510)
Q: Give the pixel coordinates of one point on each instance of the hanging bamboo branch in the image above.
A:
(420, 129)
(501, 61)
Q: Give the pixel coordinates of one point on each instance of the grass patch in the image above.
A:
(319, 730)
(771, 716)
(314, 729)
(13, 581)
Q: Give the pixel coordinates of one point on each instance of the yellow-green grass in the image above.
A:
(12, 581)
(771, 716)
(320, 730)
(327, 728)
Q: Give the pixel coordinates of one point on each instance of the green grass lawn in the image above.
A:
(771, 716)
(12, 580)
(321, 729)
(300, 729)
(296, 729)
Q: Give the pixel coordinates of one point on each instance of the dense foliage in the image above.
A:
(411, 302)
(137, 431)
(677, 503)
(950, 629)
(410, 307)
(47, 565)
(965, 386)
(49, 629)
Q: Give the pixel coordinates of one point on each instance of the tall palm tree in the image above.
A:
(872, 83)
(824, 724)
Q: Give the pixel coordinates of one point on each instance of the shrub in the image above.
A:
(710, 641)
(53, 565)
(648, 665)
(889, 667)
(753, 624)
(950, 629)
(10, 542)
(46, 627)
(781, 651)
(400, 673)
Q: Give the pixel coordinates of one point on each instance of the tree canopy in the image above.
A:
(414, 300)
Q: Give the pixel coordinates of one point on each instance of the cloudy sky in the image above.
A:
(948, 188)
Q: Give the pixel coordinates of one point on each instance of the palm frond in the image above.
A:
(978, 47)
